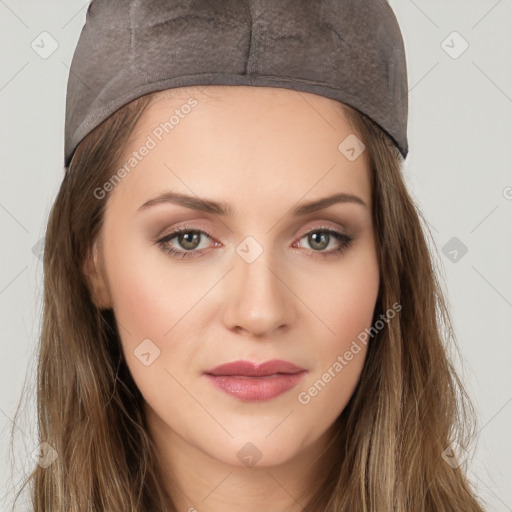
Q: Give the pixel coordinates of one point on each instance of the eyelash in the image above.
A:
(345, 239)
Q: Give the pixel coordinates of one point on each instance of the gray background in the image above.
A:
(459, 170)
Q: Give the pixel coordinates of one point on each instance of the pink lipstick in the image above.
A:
(255, 382)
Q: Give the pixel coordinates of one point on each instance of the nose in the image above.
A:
(258, 298)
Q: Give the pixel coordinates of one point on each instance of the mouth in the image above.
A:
(250, 381)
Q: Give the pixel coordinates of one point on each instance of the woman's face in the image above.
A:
(259, 273)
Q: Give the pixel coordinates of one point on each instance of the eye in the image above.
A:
(189, 239)
(319, 238)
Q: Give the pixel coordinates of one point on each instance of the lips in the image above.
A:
(249, 369)
(250, 381)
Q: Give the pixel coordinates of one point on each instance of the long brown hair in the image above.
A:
(408, 406)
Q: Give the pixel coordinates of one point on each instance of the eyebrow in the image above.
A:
(220, 208)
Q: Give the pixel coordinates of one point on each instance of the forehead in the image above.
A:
(275, 141)
(282, 107)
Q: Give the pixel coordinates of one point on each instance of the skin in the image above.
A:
(262, 151)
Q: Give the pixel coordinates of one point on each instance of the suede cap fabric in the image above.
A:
(347, 50)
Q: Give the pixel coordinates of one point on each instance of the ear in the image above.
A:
(95, 275)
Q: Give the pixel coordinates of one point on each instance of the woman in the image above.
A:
(241, 311)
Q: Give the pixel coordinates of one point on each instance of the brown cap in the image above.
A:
(347, 50)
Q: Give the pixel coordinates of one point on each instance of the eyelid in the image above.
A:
(183, 229)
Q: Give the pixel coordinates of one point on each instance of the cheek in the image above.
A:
(345, 311)
(142, 303)
(150, 295)
(149, 304)
(345, 305)
(152, 308)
